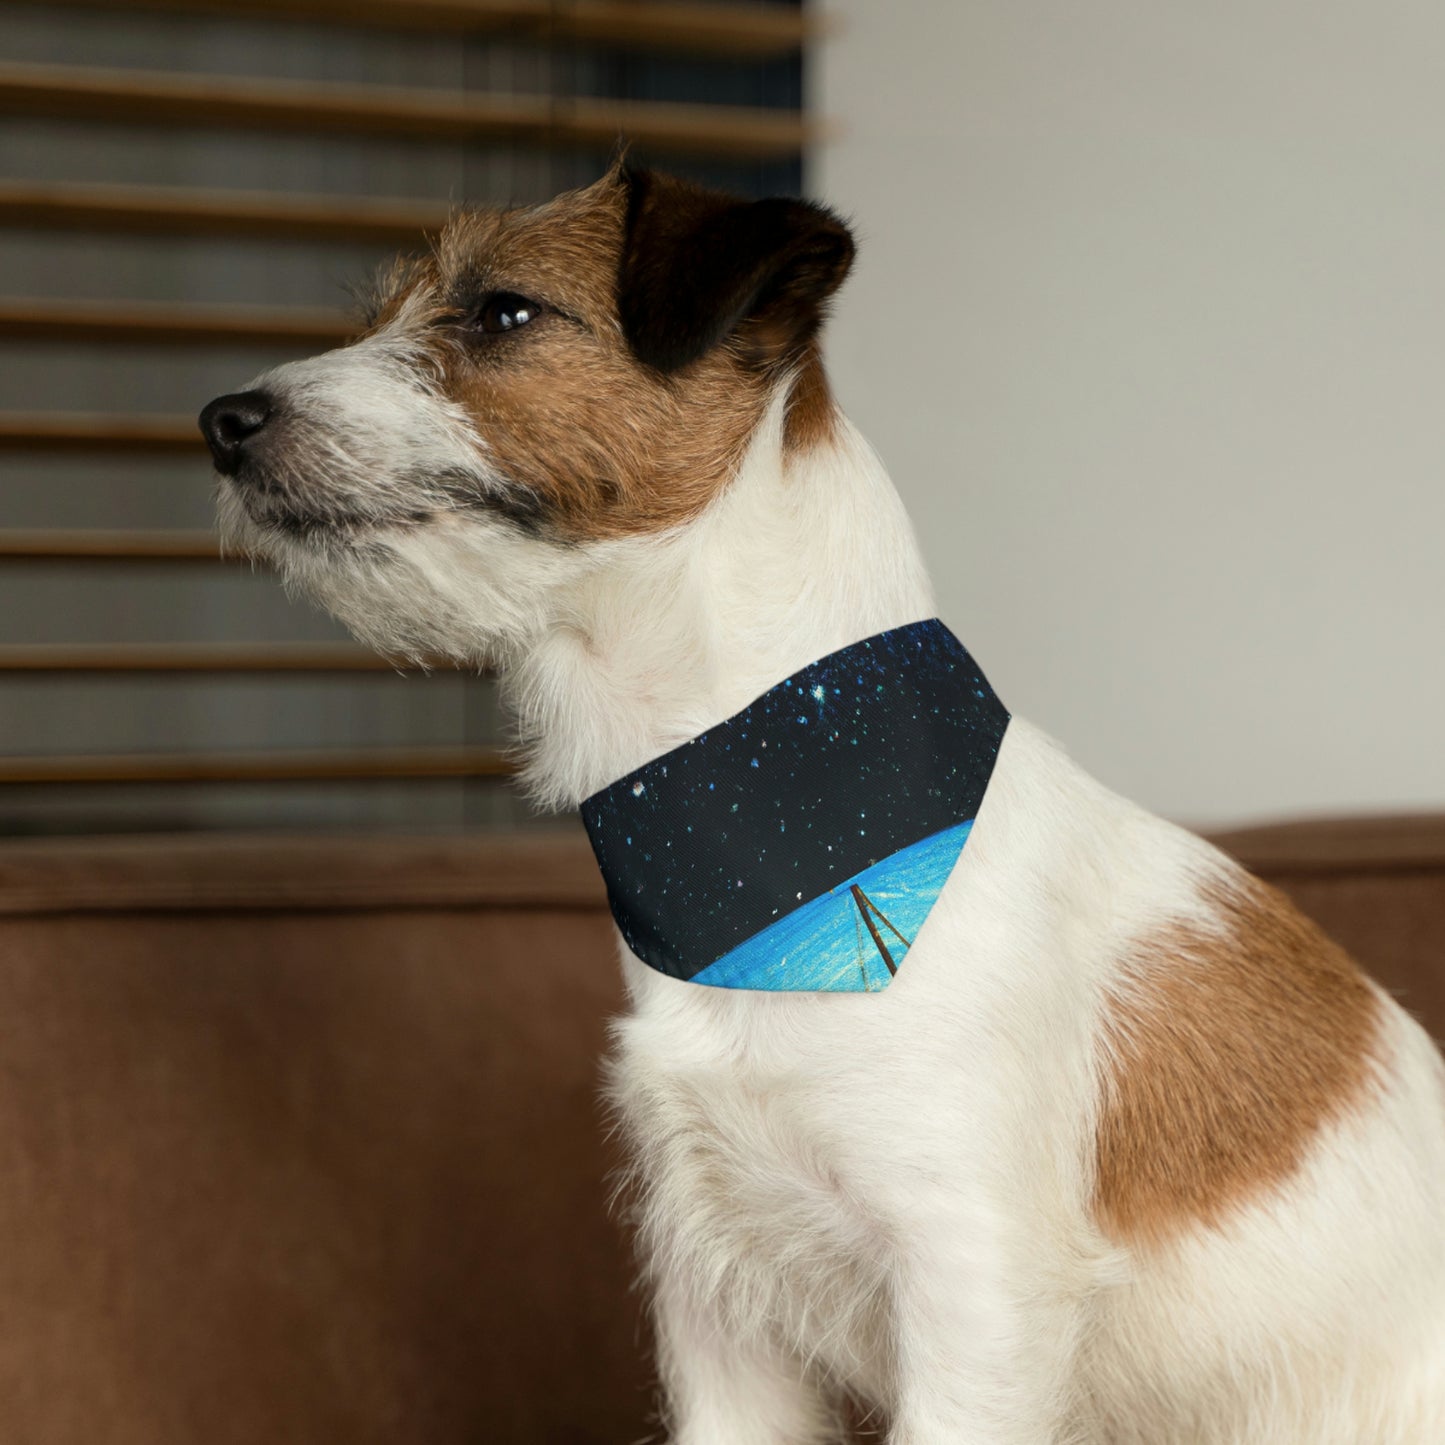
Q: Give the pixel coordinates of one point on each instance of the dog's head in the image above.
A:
(545, 383)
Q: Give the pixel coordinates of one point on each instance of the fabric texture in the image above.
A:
(801, 844)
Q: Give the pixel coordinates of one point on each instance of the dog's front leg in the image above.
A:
(723, 1389)
(985, 1351)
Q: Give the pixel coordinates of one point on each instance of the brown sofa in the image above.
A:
(299, 1141)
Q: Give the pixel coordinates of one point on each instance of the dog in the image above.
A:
(1128, 1153)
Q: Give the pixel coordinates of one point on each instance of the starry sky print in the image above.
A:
(856, 757)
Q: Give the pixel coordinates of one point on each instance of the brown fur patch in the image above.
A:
(598, 445)
(812, 413)
(595, 442)
(1228, 1052)
(700, 266)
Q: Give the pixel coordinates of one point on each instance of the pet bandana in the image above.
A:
(801, 844)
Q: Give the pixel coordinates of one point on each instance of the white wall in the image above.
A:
(1149, 324)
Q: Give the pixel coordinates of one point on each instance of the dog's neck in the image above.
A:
(664, 637)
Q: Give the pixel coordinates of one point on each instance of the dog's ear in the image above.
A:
(699, 266)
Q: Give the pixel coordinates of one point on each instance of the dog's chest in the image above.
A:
(749, 1185)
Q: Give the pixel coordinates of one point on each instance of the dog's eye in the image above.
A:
(505, 311)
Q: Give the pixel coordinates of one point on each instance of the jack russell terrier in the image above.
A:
(1118, 1149)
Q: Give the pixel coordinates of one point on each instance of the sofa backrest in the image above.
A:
(300, 1142)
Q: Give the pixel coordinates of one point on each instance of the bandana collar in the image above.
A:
(800, 845)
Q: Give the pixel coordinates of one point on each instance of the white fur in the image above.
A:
(890, 1195)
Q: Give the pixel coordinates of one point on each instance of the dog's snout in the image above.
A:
(229, 422)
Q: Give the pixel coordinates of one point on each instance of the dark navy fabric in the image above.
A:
(856, 760)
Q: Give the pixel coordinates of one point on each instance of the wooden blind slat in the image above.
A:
(94, 431)
(168, 323)
(181, 657)
(757, 31)
(160, 98)
(357, 765)
(109, 546)
(173, 210)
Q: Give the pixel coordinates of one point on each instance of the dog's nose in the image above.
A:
(229, 422)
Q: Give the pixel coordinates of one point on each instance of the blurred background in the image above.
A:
(301, 1007)
(1149, 324)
